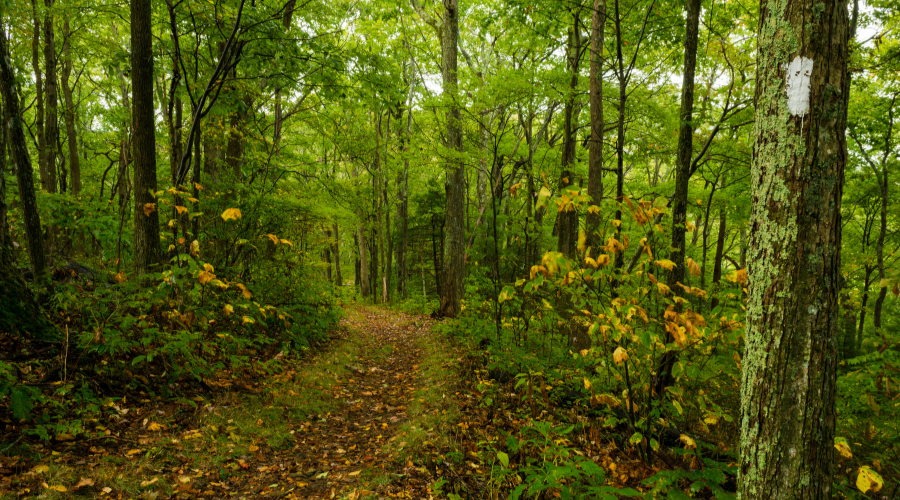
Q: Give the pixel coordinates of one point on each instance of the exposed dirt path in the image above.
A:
(349, 445)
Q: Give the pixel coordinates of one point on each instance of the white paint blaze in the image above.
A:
(797, 85)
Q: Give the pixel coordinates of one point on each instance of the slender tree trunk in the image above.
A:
(455, 183)
(619, 260)
(867, 281)
(595, 151)
(74, 159)
(567, 219)
(797, 178)
(338, 279)
(51, 124)
(39, 98)
(882, 231)
(363, 272)
(682, 176)
(720, 253)
(21, 163)
(402, 208)
(146, 213)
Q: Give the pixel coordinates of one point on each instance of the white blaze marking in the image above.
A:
(797, 85)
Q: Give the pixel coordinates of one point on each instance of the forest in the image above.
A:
(486, 249)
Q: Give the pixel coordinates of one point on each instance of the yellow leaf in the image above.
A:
(248, 319)
(693, 267)
(582, 240)
(246, 293)
(149, 208)
(195, 248)
(273, 238)
(155, 427)
(198, 186)
(587, 384)
(171, 248)
(133, 452)
(666, 264)
(40, 469)
(181, 209)
(205, 277)
(689, 442)
(620, 355)
(60, 488)
(868, 480)
(286, 242)
(896, 290)
(711, 420)
(844, 449)
(228, 309)
(208, 267)
(514, 188)
(231, 213)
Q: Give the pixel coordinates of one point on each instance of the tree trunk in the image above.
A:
(720, 253)
(797, 178)
(595, 152)
(882, 231)
(867, 281)
(568, 215)
(338, 279)
(22, 164)
(69, 114)
(146, 213)
(363, 272)
(51, 123)
(682, 176)
(402, 201)
(455, 183)
(39, 98)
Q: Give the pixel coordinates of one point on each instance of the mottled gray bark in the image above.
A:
(797, 178)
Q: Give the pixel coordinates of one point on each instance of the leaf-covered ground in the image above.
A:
(387, 409)
(333, 425)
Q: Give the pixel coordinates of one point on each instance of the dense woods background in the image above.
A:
(191, 186)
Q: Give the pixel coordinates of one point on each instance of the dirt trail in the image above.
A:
(345, 453)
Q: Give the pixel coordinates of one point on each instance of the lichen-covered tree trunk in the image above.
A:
(146, 213)
(454, 264)
(21, 163)
(797, 178)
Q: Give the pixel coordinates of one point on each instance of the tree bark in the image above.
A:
(682, 176)
(22, 164)
(363, 272)
(51, 123)
(455, 184)
(69, 114)
(146, 221)
(595, 151)
(567, 219)
(338, 279)
(720, 252)
(39, 98)
(797, 178)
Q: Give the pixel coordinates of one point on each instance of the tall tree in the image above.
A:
(567, 220)
(595, 151)
(69, 113)
(21, 163)
(51, 122)
(797, 178)
(146, 215)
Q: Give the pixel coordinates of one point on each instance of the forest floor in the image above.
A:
(387, 408)
(341, 423)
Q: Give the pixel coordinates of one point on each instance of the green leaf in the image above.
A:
(20, 403)
(504, 458)
(636, 438)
